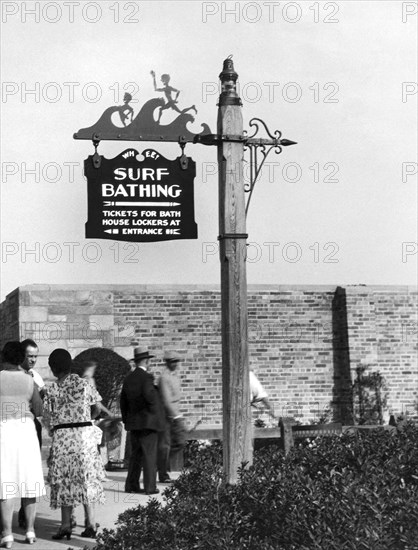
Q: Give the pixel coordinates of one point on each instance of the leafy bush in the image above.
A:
(327, 415)
(110, 372)
(370, 396)
(357, 491)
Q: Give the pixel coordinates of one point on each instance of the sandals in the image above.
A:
(30, 537)
(7, 541)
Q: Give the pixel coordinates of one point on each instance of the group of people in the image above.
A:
(67, 408)
(151, 415)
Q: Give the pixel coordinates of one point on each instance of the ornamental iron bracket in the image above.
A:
(252, 143)
(184, 161)
(97, 159)
(266, 145)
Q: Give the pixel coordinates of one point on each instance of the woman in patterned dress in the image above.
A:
(75, 468)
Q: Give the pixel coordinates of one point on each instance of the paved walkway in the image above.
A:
(48, 521)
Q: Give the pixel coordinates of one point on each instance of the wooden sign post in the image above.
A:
(237, 446)
(140, 211)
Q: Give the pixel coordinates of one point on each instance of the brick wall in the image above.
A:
(60, 316)
(383, 328)
(293, 343)
(290, 336)
(9, 318)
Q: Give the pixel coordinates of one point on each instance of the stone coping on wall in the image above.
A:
(152, 288)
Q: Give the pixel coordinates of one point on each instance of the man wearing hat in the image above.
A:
(173, 439)
(139, 409)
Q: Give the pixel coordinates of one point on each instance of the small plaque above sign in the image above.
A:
(140, 200)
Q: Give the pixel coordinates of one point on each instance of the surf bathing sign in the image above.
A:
(140, 200)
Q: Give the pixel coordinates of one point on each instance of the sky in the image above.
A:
(339, 78)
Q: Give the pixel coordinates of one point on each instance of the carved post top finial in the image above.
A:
(228, 77)
(228, 71)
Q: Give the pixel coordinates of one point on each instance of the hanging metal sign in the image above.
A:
(119, 122)
(140, 200)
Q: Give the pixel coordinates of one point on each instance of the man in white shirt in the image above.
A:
(31, 352)
(31, 356)
(258, 393)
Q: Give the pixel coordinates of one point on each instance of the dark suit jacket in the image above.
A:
(138, 402)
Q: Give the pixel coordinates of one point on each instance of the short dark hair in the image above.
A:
(28, 342)
(13, 352)
(60, 362)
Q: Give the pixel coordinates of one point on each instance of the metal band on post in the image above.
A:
(233, 236)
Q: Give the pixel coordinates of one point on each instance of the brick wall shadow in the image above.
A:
(342, 393)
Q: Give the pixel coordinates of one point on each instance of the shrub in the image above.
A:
(110, 372)
(357, 491)
(370, 396)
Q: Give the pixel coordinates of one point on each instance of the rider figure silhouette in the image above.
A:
(125, 111)
(168, 90)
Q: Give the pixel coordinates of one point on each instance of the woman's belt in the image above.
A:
(72, 425)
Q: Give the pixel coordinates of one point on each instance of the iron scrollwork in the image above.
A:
(264, 146)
